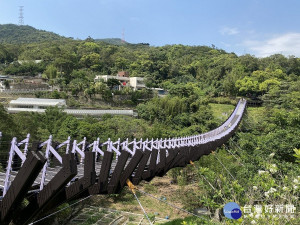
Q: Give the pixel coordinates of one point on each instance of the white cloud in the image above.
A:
(229, 31)
(286, 44)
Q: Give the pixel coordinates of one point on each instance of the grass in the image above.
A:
(150, 188)
(256, 114)
(221, 111)
(158, 187)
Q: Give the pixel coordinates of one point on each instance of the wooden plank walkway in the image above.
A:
(52, 171)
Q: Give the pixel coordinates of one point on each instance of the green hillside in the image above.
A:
(113, 41)
(14, 34)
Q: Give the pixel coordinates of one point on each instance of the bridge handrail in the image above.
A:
(168, 143)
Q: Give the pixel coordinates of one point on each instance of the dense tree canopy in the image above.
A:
(218, 73)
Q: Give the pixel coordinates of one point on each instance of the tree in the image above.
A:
(68, 127)
(88, 47)
(112, 82)
(100, 88)
(77, 85)
(247, 85)
(121, 63)
(50, 72)
(7, 124)
(268, 84)
(249, 62)
(89, 91)
(260, 75)
(4, 55)
(52, 119)
(91, 61)
(231, 78)
(181, 90)
(66, 63)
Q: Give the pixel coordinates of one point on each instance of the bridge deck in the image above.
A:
(136, 160)
(52, 171)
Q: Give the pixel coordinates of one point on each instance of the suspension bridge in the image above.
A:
(48, 174)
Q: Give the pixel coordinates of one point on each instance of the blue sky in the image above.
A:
(258, 27)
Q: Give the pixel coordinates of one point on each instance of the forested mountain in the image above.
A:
(113, 41)
(217, 73)
(119, 41)
(14, 34)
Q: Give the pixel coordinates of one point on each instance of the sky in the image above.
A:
(256, 27)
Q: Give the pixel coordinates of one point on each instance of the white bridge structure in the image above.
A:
(48, 174)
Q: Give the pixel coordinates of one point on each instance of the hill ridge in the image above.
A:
(25, 34)
(15, 34)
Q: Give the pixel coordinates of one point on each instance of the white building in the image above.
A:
(39, 105)
(34, 104)
(137, 82)
(134, 82)
(105, 78)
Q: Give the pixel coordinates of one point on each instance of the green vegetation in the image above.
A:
(14, 34)
(187, 221)
(221, 111)
(112, 41)
(258, 166)
(71, 65)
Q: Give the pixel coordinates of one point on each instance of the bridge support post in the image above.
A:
(21, 184)
(88, 179)
(79, 187)
(180, 159)
(163, 161)
(140, 169)
(49, 192)
(197, 151)
(101, 185)
(172, 155)
(130, 168)
(115, 178)
(152, 166)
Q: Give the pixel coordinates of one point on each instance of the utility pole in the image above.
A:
(21, 15)
(123, 36)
